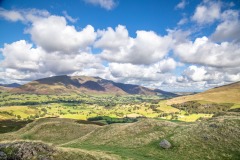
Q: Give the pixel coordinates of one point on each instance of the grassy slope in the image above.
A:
(217, 138)
(81, 154)
(12, 125)
(57, 131)
(52, 130)
(140, 140)
(224, 94)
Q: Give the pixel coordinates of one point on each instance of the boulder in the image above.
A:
(165, 144)
(3, 156)
(213, 125)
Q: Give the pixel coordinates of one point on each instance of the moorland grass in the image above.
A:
(216, 138)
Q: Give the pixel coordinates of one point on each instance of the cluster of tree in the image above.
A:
(32, 117)
(98, 118)
(72, 112)
(173, 115)
(44, 110)
(37, 102)
(7, 113)
(155, 108)
(110, 120)
(196, 107)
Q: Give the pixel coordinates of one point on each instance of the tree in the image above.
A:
(44, 110)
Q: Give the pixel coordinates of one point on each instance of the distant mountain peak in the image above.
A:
(12, 85)
(64, 84)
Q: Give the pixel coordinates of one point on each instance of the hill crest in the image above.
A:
(229, 93)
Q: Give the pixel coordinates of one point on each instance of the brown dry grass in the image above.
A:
(225, 94)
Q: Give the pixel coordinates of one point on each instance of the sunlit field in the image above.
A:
(82, 107)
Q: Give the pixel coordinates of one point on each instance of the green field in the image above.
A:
(82, 107)
(29, 107)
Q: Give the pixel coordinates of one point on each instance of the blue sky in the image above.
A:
(177, 45)
(156, 16)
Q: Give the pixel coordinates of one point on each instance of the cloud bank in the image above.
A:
(178, 60)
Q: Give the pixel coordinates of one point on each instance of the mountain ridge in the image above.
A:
(11, 85)
(85, 84)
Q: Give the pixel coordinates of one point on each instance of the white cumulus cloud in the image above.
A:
(146, 48)
(20, 55)
(207, 12)
(53, 34)
(204, 51)
(229, 28)
(106, 4)
(195, 73)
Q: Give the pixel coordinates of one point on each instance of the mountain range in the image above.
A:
(84, 84)
(12, 85)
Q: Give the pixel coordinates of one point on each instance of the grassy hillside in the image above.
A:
(140, 140)
(224, 94)
(217, 138)
(55, 130)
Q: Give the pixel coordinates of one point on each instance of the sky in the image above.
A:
(177, 45)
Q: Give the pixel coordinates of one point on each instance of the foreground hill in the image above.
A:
(216, 138)
(224, 94)
(26, 150)
(83, 84)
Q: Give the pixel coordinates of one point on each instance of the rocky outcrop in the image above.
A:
(22, 150)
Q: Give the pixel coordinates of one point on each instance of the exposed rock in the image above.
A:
(3, 156)
(206, 137)
(165, 144)
(213, 125)
(26, 150)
